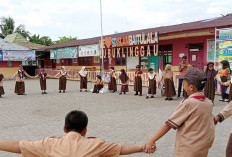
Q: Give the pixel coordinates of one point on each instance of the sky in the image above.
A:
(81, 18)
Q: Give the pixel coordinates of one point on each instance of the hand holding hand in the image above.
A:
(150, 147)
(216, 119)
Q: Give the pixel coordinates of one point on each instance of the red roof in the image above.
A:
(225, 21)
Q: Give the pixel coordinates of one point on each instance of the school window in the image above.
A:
(165, 52)
(9, 64)
(68, 62)
(58, 61)
(74, 60)
(85, 61)
(196, 47)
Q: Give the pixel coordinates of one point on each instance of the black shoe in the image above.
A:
(221, 100)
(170, 99)
(147, 97)
(24, 94)
(140, 94)
(152, 97)
(42, 93)
(124, 92)
(86, 90)
(60, 91)
(80, 90)
(63, 91)
(97, 92)
(93, 92)
(166, 99)
(45, 93)
(136, 94)
(0, 96)
(120, 93)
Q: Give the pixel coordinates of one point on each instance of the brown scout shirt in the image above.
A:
(193, 120)
(226, 112)
(71, 145)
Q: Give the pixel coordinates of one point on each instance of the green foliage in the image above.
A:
(7, 27)
(44, 40)
(65, 39)
(230, 14)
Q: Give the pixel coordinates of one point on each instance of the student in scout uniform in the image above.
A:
(211, 73)
(62, 79)
(20, 85)
(138, 81)
(99, 84)
(183, 66)
(1, 85)
(224, 114)
(167, 76)
(224, 76)
(83, 78)
(152, 79)
(124, 80)
(43, 77)
(193, 119)
(112, 84)
(74, 144)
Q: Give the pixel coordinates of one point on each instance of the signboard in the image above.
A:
(89, 50)
(228, 58)
(211, 49)
(63, 53)
(1, 56)
(225, 34)
(18, 55)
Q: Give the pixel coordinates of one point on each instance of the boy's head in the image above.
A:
(184, 59)
(138, 67)
(76, 121)
(20, 67)
(194, 80)
(150, 70)
(210, 65)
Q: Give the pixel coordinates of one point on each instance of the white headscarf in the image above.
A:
(151, 76)
(82, 72)
(63, 72)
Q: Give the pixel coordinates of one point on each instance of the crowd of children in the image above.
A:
(193, 120)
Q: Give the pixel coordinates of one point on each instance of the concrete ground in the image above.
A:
(124, 119)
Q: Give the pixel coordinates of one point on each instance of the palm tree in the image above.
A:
(7, 27)
(44, 40)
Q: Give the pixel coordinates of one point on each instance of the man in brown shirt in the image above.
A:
(224, 114)
(74, 144)
(193, 120)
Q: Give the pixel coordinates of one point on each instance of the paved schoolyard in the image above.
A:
(124, 119)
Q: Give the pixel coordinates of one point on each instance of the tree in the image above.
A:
(44, 40)
(7, 27)
(65, 39)
(229, 14)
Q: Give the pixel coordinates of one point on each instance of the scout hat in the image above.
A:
(194, 75)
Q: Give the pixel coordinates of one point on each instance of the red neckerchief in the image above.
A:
(201, 98)
(42, 75)
(21, 74)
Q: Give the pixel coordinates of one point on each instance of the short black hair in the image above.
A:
(76, 121)
(199, 85)
(184, 57)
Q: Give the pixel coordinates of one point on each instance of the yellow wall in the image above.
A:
(8, 71)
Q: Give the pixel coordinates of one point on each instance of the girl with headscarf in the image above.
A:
(83, 78)
(99, 84)
(223, 77)
(152, 83)
(112, 84)
(138, 81)
(167, 76)
(124, 80)
(62, 79)
(210, 84)
(43, 83)
(1, 84)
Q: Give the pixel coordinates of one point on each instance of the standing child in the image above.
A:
(99, 84)
(167, 76)
(112, 84)
(193, 119)
(152, 83)
(62, 79)
(138, 81)
(1, 85)
(224, 114)
(224, 77)
(43, 77)
(210, 84)
(124, 80)
(83, 78)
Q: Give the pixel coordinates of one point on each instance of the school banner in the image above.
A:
(1, 57)
(225, 34)
(18, 55)
(89, 50)
(64, 53)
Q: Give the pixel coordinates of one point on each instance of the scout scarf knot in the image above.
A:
(137, 73)
(201, 98)
(21, 74)
(43, 75)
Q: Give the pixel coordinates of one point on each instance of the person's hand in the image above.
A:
(152, 151)
(216, 119)
(150, 147)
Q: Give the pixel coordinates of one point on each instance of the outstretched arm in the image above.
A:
(130, 149)
(27, 74)
(10, 146)
(76, 75)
